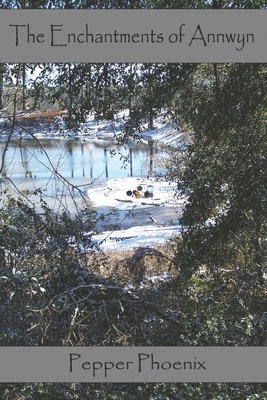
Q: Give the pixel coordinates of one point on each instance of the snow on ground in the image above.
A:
(135, 236)
(146, 228)
(114, 193)
(165, 132)
(153, 219)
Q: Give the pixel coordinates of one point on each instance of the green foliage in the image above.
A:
(39, 254)
(50, 294)
(224, 175)
(159, 391)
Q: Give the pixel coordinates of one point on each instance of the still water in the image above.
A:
(81, 162)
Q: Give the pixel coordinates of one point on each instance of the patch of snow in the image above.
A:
(162, 277)
(114, 193)
(129, 195)
(134, 237)
(210, 222)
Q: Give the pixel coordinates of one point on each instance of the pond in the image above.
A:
(81, 162)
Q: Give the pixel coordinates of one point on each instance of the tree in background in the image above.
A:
(2, 69)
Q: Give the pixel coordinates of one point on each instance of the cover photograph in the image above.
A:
(132, 200)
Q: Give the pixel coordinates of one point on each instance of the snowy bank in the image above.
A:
(134, 237)
(52, 125)
(126, 193)
(139, 219)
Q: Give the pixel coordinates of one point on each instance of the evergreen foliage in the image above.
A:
(225, 169)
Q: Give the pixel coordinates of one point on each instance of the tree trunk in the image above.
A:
(215, 70)
(23, 87)
(70, 102)
(1, 85)
(151, 119)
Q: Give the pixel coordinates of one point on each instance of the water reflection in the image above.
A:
(151, 146)
(77, 160)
